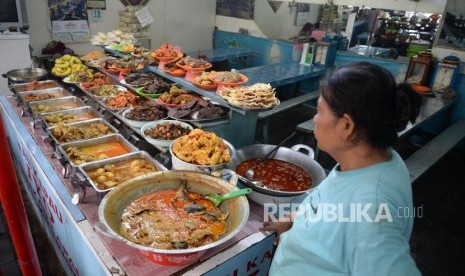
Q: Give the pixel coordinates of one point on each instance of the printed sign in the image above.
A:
(69, 20)
(144, 16)
(250, 256)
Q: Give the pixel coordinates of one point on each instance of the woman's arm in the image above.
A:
(278, 227)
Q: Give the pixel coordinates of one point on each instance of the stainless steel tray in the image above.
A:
(69, 102)
(85, 168)
(57, 92)
(23, 87)
(86, 110)
(93, 142)
(88, 92)
(54, 140)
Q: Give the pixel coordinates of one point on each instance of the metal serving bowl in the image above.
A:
(178, 164)
(113, 204)
(25, 75)
(292, 155)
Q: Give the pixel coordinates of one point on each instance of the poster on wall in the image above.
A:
(302, 14)
(235, 8)
(69, 20)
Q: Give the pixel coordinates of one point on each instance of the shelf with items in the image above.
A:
(409, 37)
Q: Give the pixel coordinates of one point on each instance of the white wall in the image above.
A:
(456, 7)
(232, 24)
(187, 23)
(280, 25)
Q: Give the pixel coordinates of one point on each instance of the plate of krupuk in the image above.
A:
(259, 96)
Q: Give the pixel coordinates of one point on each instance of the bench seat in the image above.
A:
(424, 158)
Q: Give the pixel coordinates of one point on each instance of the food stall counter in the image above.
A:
(71, 228)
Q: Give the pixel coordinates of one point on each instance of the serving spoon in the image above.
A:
(216, 199)
(249, 173)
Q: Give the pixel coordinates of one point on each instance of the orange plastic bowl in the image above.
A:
(212, 77)
(166, 59)
(421, 89)
(206, 87)
(194, 69)
(231, 84)
(176, 72)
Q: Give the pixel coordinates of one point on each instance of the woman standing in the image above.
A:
(351, 224)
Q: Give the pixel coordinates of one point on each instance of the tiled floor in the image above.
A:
(437, 240)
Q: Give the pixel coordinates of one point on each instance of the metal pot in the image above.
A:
(113, 204)
(25, 75)
(178, 164)
(292, 155)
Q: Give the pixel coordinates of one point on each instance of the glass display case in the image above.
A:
(420, 69)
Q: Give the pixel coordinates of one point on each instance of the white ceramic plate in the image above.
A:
(119, 87)
(158, 142)
(135, 123)
(66, 80)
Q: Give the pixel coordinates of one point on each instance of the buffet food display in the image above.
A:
(84, 128)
